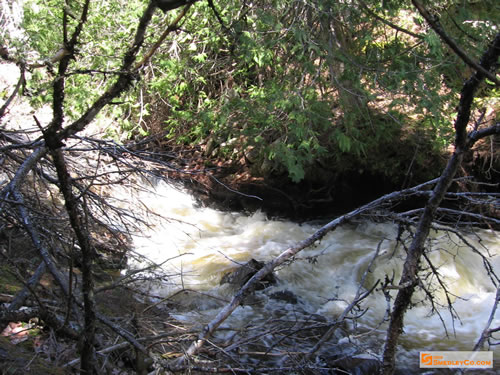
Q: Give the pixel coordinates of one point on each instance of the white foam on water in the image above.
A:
(202, 244)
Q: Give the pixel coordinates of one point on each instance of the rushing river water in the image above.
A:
(202, 244)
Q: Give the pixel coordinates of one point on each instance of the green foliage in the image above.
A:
(99, 54)
(279, 82)
(303, 82)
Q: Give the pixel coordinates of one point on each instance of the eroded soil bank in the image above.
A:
(329, 189)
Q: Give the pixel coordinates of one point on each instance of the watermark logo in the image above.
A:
(456, 359)
(425, 359)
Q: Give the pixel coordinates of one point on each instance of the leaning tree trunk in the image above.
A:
(463, 143)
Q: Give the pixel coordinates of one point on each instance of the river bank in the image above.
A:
(234, 185)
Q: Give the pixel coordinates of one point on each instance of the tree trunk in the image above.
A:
(463, 142)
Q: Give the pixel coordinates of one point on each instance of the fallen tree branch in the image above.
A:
(355, 301)
(23, 171)
(60, 278)
(452, 212)
(38, 243)
(486, 334)
(212, 326)
(20, 297)
(50, 319)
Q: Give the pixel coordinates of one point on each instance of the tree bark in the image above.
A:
(76, 217)
(463, 143)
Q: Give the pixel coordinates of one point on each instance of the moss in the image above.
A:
(8, 281)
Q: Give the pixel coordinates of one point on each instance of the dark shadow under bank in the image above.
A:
(304, 201)
(336, 194)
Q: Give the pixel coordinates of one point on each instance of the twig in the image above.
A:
(388, 23)
(355, 301)
(20, 83)
(487, 331)
(21, 173)
(20, 297)
(170, 28)
(436, 26)
(211, 327)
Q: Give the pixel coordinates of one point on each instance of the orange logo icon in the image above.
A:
(425, 359)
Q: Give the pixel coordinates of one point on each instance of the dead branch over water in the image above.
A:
(65, 209)
(110, 164)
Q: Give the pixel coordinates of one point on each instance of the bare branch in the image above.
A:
(170, 28)
(355, 301)
(417, 247)
(436, 26)
(79, 225)
(23, 171)
(125, 78)
(387, 22)
(485, 335)
(37, 242)
(211, 327)
(476, 135)
(20, 82)
(23, 294)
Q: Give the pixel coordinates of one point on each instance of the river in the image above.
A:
(197, 246)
